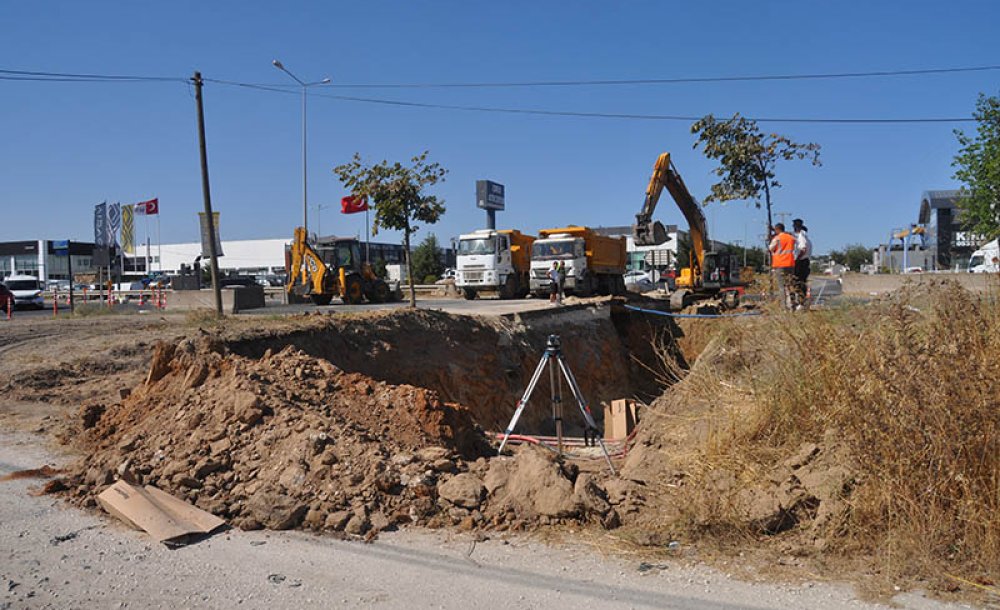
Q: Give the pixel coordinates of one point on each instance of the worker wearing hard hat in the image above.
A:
(782, 249)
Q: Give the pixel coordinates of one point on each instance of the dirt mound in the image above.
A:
(276, 442)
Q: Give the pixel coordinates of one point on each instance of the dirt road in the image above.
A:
(57, 557)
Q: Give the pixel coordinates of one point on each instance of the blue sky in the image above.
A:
(65, 147)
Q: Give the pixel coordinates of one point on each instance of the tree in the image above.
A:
(397, 195)
(747, 158)
(852, 256)
(425, 259)
(978, 168)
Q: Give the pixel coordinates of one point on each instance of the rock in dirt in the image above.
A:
(536, 486)
(464, 490)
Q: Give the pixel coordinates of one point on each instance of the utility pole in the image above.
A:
(207, 195)
(782, 216)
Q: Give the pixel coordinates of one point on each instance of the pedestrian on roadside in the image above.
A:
(782, 249)
(803, 252)
(554, 281)
(562, 280)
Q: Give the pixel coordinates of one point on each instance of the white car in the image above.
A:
(27, 291)
(639, 281)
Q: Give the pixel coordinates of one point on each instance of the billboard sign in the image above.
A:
(489, 195)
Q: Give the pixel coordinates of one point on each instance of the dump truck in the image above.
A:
(332, 267)
(595, 264)
(494, 261)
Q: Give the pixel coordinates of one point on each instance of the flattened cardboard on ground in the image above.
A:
(620, 418)
(168, 519)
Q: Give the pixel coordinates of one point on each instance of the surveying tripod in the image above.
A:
(553, 356)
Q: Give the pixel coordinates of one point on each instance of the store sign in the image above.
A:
(489, 195)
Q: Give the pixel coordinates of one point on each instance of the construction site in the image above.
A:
(365, 425)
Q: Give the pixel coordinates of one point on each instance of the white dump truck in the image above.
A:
(494, 261)
(594, 263)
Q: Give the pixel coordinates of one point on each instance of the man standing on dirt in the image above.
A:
(803, 251)
(562, 280)
(782, 249)
(555, 284)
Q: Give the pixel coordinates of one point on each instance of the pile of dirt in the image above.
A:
(276, 442)
(291, 441)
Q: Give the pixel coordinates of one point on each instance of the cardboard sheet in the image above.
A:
(166, 518)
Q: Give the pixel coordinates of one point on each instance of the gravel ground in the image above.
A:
(53, 556)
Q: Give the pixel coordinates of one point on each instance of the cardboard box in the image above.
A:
(166, 518)
(620, 418)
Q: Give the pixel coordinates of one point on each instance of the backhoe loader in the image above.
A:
(332, 267)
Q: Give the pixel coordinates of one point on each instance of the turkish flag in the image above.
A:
(148, 207)
(353, 205)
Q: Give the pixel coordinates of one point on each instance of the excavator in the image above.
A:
(707, 275)
(332, 267)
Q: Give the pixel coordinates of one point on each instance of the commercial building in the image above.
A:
(949, 244)
(43, 260)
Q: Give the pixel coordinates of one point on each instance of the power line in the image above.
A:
(602, 115)
(672, 81)
(67, 77)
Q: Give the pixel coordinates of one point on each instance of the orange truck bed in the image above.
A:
(604, 254)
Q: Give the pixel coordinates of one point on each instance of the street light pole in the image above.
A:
(305, 174)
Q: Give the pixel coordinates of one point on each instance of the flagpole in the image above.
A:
(368, 245)
(159, 243)
(146, 220)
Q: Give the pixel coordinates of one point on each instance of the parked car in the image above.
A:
(27, 291)
(6, 296)
(639, 281)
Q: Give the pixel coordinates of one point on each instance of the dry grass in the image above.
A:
(908, 386)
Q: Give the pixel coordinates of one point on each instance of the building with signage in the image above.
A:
(46, 259)
(950, 245)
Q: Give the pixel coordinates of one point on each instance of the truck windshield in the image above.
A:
(976, 260)
(550, 250)
(485, 245)
(22, 284)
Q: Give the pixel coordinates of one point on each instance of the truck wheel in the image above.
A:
(509, 288)
(468, 294)
(378, 292)
(321, 299)
(354, 291)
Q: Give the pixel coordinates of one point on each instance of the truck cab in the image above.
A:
(490, 260)
(562, 248)
(986, 259)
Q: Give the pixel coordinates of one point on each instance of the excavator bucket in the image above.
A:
(649, 233)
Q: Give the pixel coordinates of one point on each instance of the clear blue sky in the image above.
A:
(65, 147)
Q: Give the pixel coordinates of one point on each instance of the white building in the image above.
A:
(248, 256)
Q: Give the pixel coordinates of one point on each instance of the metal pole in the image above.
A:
(305, 180)
(69, 265)
(207, 195)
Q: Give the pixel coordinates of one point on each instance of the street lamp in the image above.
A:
(305, 180)
(319, 217)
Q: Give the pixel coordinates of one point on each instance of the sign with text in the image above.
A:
(489, 195)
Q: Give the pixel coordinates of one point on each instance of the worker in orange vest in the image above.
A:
(782, 249)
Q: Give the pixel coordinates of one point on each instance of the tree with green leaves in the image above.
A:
(396, 193)
(852, 256)
(426, 262)
(978, 168)
(747, 158)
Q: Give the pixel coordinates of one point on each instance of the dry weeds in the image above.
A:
(906, 387)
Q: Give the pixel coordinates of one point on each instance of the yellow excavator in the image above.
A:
(332, 267)
(706, 275)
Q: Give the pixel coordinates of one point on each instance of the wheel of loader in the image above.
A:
(468, 294)
(680, 299)
(321, 299)
(355, 290)
(379, 292)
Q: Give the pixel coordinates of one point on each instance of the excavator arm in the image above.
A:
(308, 271)
(648, 233)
